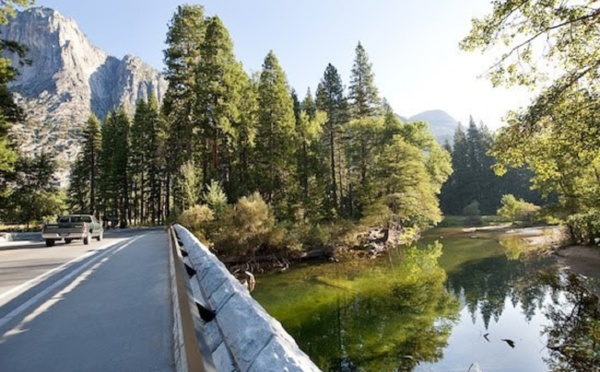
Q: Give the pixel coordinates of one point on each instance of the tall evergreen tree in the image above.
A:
(330, 99)
(310, 168)
(121, 165)
(108, 183)
(275, 137)
(115, 166)
(85, 172)
(243, 183)
(138, 160)
(365, 110)
(361, 149)
(184, 37)
(363, 95)
(36, 194)
(156, 156)
(454, 195)
(474, 179)
(10, 112)
(220, 84)
(77, 193)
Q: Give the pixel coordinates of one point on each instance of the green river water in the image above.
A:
(456, 302)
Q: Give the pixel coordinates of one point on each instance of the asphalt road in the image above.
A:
(105, 306)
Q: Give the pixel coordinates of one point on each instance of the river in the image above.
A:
(458, 301)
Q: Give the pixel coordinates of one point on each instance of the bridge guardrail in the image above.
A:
(233, 331)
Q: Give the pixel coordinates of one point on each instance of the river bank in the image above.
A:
(582, 260)
(577, 259)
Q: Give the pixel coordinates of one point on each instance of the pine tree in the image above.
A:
(115, 166)
(363, 95)
(275, 137)
(364, 109)
(121, 165)
(361, 153)
(36, 194)
(220, 84)
(186, 34)
(156, 160)
(331, 100)
(84, 185)
(139, 161)
(474, 179)
(108, 180)
(77, 193)
(10, 112)
(310, 170)
(243, 183)
(8, 158)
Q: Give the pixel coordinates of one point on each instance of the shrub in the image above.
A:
(246, 227)
(305, 236)
(216, 199)
(584, 228)
(198, 220)
(517, 209)
(472, 213)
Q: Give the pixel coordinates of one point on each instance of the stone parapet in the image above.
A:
(242, 336)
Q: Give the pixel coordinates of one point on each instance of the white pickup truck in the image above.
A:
(71, 227)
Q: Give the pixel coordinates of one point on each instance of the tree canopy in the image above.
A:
(553, 47)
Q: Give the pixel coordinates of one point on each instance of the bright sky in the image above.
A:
(413, 45)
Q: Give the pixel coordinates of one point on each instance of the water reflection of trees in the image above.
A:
(573, 336)
(372, 317)
(485, 284)
(404, 318)
(574, 332)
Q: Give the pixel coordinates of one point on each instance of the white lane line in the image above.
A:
(40, 277)
(56, 298)
(27, 304)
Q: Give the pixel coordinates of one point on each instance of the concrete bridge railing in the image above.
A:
(232, 332)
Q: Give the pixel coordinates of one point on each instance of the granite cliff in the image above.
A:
(68, 79)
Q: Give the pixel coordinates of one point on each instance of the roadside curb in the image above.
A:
(11, 237)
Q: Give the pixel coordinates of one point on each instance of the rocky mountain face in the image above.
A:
(68, 79)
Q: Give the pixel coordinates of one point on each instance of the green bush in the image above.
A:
(198, 219)
(472, 213)
(246, 227)
(584, 228)
(216, 199)
(518, 210)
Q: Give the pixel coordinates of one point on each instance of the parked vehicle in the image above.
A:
(71, 227)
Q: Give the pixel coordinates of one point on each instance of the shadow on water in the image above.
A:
(471, 301)
(574, 329)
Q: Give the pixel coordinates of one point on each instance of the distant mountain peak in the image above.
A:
(441, 124)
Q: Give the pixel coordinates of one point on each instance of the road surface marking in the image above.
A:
(52, 271)
(26, 305)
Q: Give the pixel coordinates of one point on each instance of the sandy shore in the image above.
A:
(580, 260)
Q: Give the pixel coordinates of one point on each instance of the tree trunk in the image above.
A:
(333, 176)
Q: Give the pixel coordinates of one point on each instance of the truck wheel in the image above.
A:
(86, 240)
(99, 237)
(49, 242)
(68, 241)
